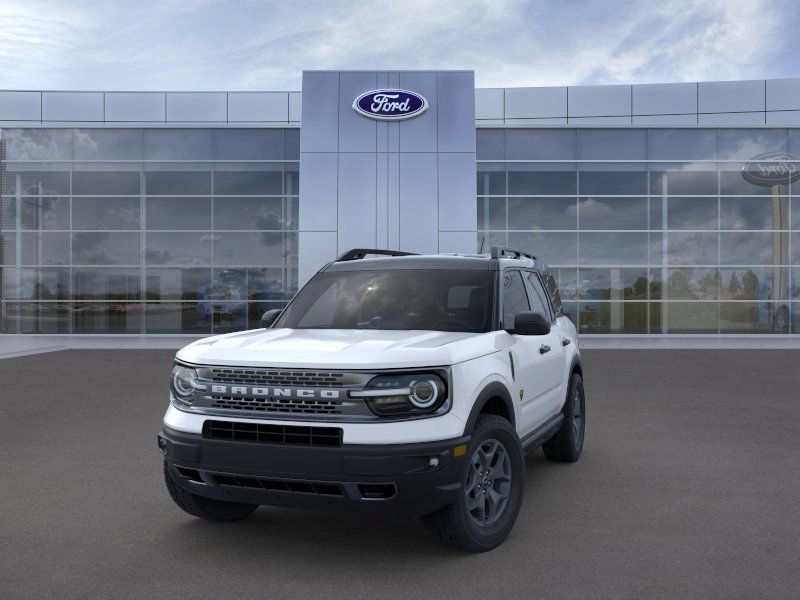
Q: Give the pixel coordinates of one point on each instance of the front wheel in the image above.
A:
(491, 490)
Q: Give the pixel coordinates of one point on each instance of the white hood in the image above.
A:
(339, 348)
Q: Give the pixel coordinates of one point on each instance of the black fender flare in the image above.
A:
(576, 366)
(494, 389)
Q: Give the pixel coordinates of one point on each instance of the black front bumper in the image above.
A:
(404, 480)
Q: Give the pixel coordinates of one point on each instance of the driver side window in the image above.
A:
(515, 298)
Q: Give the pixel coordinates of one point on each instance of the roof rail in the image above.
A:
(359, 253)
(501, 251)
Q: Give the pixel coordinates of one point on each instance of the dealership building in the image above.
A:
(663, 209)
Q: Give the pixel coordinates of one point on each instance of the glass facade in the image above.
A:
(650, 230)
(146, 230)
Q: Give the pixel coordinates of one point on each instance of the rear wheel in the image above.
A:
(566, 445)
(491, 490)
(206, 508)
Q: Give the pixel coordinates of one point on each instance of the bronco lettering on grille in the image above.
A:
(275, 392)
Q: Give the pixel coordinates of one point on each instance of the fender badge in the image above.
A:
(521, 394)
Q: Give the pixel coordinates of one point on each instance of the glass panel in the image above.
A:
(733, 182)
(106, 284)
(612, 179)
(613, 284)
(682, 144)
(291, 140)
(691, 317)
(613, 317)
(38, 144)
(45, 248)
(256, 309)
(488, 239)
(795, 311)
(44, 212)
(107, 144)
(542, 179)
(656, 318)
(755, 283)
(177, 284)
(794, 290)
(228, 316)
(693, 284)
(253, 248)
(248, 179)
(178, 144)
(541, 144)
(751, 317)
(107, 317)
(656, 284)
(692, 248)
(178, 183)
(291, 213)
(35, 180)
(171, 248)
(8, 248)
(248, 144)
(105, 248)
(542, 213)
(747, 143)
(117, 183)
(291, 179)
(571, 311)
(106, 213)
(692, 213)
(656, 214)
(753, 247)
(612, 213)
(491, 144)
(552, 248)
(491, 179)
(492, 213)
(795, 220)
(613, 248)
(178, 213)
(567, 283)
(8, 213)
(34, 317)
(612, 144)
(229, 285)
(248, 213)
(183, 317)
(688, 179)
(795, 256)
(754, 213)
(36, 284)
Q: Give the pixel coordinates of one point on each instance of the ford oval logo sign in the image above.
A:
(772, 168)
(390, 105)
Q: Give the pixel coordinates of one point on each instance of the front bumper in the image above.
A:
(404, 480)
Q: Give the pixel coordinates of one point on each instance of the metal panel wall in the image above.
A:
(399, 185)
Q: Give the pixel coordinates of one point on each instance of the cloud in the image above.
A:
(219, 44)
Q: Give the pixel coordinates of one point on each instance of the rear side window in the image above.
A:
(537, 294)
(515, 299)
(555, 297)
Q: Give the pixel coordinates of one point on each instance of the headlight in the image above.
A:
(403, 395)
(183, 383)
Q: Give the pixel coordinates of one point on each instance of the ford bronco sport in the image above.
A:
(400, 385)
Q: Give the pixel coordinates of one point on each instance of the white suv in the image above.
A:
(402, 385)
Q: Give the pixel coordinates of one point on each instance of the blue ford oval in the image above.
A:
(390, 105)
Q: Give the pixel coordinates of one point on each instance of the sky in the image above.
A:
(265, 45)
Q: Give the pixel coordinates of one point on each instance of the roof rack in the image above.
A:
(501, 251)
(359, 253)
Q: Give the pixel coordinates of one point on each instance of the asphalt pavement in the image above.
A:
(688, 487)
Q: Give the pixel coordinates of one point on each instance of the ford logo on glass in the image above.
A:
(772, 168)
(390, 105)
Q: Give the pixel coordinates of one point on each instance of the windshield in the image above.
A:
(439, 300)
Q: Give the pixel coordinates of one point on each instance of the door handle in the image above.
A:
(544, 349)
(566, 342)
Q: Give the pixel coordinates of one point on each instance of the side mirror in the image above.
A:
(531, 323)
(268, 318)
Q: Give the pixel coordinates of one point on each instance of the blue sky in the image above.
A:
(250, 45)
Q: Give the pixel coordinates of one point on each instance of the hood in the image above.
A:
(339, 348)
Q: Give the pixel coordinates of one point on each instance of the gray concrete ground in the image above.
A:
(688, 488)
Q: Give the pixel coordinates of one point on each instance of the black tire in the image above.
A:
(566, 445)
(455, 524)
(206, 508)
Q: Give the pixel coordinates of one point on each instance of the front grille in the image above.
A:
(277, 377)
(280, 405)
(319, 488)
(266, 433)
